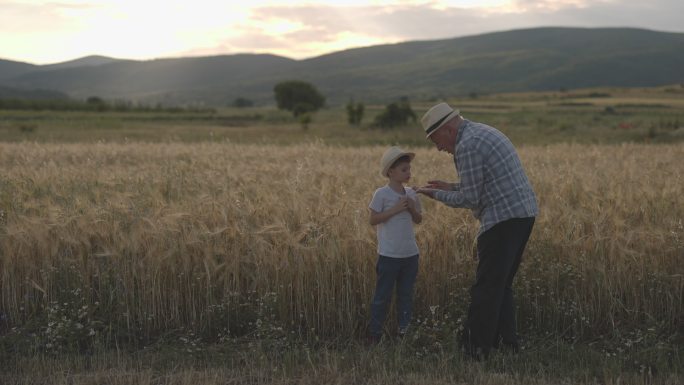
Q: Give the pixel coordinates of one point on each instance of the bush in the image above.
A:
(395, 114)
(242, 103)
(355, 113)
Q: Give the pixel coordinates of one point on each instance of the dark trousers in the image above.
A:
(491, 315)
(393, 272)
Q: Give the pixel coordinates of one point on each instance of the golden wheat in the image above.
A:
(211, 237)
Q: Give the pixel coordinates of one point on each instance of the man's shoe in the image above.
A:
(507, 347)
(476, 354)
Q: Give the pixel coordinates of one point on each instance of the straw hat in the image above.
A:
(436, 117)
(390, 156)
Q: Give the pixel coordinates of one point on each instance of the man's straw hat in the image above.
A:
(436, 117)
(390, 156)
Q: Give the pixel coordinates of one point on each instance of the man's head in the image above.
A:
(441, 125)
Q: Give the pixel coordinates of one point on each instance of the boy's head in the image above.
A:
(394, 158)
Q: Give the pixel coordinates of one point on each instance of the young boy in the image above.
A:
(393, 210)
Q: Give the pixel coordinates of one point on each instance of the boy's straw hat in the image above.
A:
(436, 117)
(390, 156)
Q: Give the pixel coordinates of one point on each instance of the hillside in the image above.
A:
(17, 93)
(94, 60)
(520, 60)
(10, 69)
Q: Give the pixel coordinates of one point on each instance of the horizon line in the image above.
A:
(172, 57)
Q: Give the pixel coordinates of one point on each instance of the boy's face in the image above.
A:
(401, 172)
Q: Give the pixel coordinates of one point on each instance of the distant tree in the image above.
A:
(355, 112)
(95, 100)
(299, 97)
(97, 103)
(395, 114)
(242, 103)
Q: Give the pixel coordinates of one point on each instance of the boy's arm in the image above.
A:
(377, 218)
(415, 210)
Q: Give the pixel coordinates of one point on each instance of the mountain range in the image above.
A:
(518, 60)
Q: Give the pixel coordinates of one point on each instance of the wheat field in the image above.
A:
(106, 244)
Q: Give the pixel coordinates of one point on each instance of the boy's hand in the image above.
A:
(401, 205)
(411, 204)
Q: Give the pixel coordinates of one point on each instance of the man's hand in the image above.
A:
(427, 191)
(440, 185)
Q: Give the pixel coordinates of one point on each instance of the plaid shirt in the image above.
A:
(492, 183)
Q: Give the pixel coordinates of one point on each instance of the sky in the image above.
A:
(45, 32)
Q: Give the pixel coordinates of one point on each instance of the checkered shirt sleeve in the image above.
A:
(493, 183)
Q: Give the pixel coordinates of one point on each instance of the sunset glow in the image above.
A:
(44, 32)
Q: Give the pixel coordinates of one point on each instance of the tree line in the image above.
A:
(303, 99)
(93, 103)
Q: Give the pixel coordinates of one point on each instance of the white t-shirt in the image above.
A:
(396, 237)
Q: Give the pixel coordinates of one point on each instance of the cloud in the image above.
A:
(317, 25)
(380, 21)
(48, 31)
(551, 5)
(663, 15)
(30, 17)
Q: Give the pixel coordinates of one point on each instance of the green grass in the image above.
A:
(614, 116)
(185, 361)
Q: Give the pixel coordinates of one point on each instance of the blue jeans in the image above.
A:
(391, 271)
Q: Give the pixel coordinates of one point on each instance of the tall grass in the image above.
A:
(129, 242)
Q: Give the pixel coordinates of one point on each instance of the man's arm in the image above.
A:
(466, 193)
(442, 185)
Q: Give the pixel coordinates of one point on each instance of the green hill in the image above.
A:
(94, 60)
(34, 94)
(10, 69)
(519, 60)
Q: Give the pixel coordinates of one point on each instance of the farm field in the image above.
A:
(592, 116)
(234, 247)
